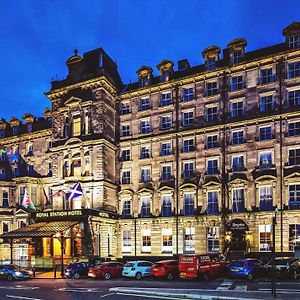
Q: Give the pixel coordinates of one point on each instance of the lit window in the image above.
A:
(265, 197)
(189, 240)
(126, 244)
(265, 159)
(213, 240)
(294, 236)
(265, 233)
(166, 240)
(146, 240)
(76, 165)
(76, 125)
(29, 149)
(238, 201)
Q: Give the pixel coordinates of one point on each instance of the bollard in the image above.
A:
(33, 272)
(54, 271)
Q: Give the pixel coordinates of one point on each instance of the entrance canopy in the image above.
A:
(40, 229)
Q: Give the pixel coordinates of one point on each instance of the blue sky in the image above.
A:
(37, 36)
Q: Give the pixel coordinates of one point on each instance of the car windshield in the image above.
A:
(130, 264)
(237, 264)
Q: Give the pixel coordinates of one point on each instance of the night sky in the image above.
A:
(36, 37)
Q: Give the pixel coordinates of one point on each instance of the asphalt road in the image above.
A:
(86, 289)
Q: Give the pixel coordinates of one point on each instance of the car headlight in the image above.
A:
(18, 273)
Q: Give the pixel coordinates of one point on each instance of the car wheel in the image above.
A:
(10, 277)
(250, 276)
(76, 276)
(138, 276)
(205, 276)
(170, 276)
(107, 276)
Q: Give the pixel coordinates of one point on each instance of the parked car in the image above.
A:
(285, 267)
(11, 272)
(246, 268)
(106, 270)
(78, 269)
(201, 266)
(165, 269)
(137, 269)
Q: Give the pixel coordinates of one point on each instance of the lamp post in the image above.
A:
(273, 284)
(60, 236)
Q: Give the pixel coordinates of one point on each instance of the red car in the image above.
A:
(106, 270)
(165, 269)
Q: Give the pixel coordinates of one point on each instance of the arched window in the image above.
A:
(87, 164)
(76, 165)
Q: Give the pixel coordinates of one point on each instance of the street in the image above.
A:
(62, 289)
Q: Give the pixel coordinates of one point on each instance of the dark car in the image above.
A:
(106, 270)
(246, 268)
(165, 269)
(11, 272)
(78, 269)
(285, 267)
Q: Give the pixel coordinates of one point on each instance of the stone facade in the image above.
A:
(179, 156)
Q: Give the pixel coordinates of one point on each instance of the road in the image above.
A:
(85, 289)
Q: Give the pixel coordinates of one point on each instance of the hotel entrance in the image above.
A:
(235, 238)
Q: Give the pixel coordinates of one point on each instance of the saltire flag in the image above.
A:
(74, 192)
(27, 203)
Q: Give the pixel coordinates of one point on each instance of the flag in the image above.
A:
(47, 202)
(74, 192)
(27, 203)
(59, 193)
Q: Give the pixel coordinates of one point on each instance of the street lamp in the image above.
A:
(60, 236)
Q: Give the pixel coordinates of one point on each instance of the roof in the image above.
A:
(40, 229)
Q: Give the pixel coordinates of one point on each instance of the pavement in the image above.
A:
(48, 275)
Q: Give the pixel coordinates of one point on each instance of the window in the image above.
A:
(22, 224)
(50, 170)
(166, 149)
(238, 163)
(2, 133)
(265, 198)
(166, 206)
(166, 173)
(294, 236)
(166, 240)
(211, 88)
(237, 83)
(237, 109)
(189, 240)
(265, 133)
(126, 177)
(29, 149)
(212, 114)
(212, 203)
(266, 103)
(66, 169)
(125, 154)
(212, 167)
(126, 211)
(294, 196)
(15, 130)
(294, 69)
(76, 125)
(145, 126)
(294, 129)
(5, 227)
(188, 204)
(294, 98)
(165, 99)
(294, 41)
(3, 174)
(34, 194)
(146, 240)
(126, 244)
(29, 127)
(5, 202)
(144, 80)
(238, 201)
(146, 208)
(125, 108)
(165, 75)
(237, 137)
(145, 152)
(236, 56)
(187, 118)
(145, 174)
(265, 159)
(266, 76)
(212, 141)
(188, 170)
(188, 94)
(86, 123)
(188, 146)
(30, 170)
(76, 165)
(294, 157)
(144, 104)
(211, 63)
(165, 122)
(265, 232)
(125, 130)
(87, 164)
(213, 240)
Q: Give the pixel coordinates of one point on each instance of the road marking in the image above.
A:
(148, 296)
(226, 285)
(21, 297)
(107, 295)
(241, 288)
(80, 290)
(281, 290)
(19, 287)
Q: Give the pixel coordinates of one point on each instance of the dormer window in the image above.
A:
(165, 68)
(145, 81)
(2, 133)
(236, 56)
(294, 41)
(165, 76)
(211, 63)
(15, 130)
(29, 127)
(211, 56)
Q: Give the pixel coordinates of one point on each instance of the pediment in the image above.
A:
(188, 185)
(145, 191)
(73, 141)
(73, 102)
(21, 211)
(126, 192)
